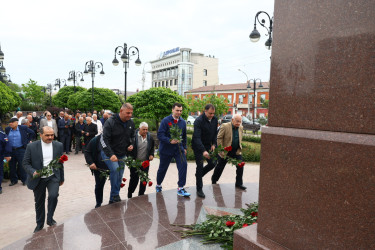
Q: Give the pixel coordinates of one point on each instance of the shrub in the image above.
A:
(151, 123)
(249, 154)
(252, 139)
(189, 131)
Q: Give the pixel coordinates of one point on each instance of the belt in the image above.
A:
(17, 148)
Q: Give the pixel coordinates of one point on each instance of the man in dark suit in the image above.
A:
(204, 141)
(38, 156)
(65, 132)
(19, 136)
(90, 130)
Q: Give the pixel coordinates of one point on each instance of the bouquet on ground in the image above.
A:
(54, 164)
(223, 153)
(176, 134)
(219, 229)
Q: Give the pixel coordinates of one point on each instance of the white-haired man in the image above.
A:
(98, 124)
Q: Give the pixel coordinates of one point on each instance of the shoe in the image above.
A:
(23, 183)
(200, 193)
(38, 228)
(116, 198)
(213, 182)
(241, 187)
(67, 153)
(110, 202)
(51, 223)
(76, 153)
(13, 183)
(158, 189)
(98, 205)
(130, 195)
(182, 192)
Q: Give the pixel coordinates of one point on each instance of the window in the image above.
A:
(170, 83)
(162, 83)
(205, 72)
(175, 81)
(229, 98)
(204, 83)
(166, 83)
(240, 99)
(158, 84)
(262, 98)
(251, 97)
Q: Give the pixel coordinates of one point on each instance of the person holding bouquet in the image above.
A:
(172, 144)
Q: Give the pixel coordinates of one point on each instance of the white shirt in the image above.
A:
(47, 151)
(99, 125)
(49, 123)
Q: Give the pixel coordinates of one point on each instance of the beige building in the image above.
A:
(182, 70)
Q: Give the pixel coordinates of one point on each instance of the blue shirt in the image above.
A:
(5, 146)
(15, 138)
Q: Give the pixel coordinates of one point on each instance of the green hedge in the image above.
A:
(255, 139)
(151, 123)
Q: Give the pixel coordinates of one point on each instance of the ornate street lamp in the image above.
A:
(73, 75)
(1, 55)
(255, 35)
(248, 92)
(255, 94)
(90, 67)
(58, 83)
(49, 88)
(125, 53)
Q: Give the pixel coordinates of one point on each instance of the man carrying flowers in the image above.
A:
(230, 137)
(43, 162)
(172, 137)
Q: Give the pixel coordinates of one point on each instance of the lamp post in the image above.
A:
(144, 76)
(255, 35)
(1, 55)
(90, 67)
(58, 82)
(255, 98)
(248, 92)
(125, 53)
(73, 75)
(3, 76)
(49, 88)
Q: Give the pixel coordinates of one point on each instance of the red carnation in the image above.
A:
(254, 223)
(175, 121)
(170, 124)
(145, 164)
(63, 158)
(150, 183)
(83, 144)
(124, 179)
(144, 183)
(254, 214)
(122, 185)
(230, 223)
(245, 225)
(241, 164)
(228, 148)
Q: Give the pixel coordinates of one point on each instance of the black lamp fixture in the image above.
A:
(255, 98)
(91, 67)
(255, 35)
(58, 83)
(125, 53)
(49, 88)
(73, 75)
(1, 55)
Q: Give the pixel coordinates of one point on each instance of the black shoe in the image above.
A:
(51, 223)
(38, 228)
(241, 187)
(13, 183)
(110, 202)
(76, 153)
(200, 193)
(116, 198)
(98, 205)
(23, 183)
(213, 182)
(130, 195)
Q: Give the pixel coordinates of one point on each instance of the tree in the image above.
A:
(103, 99)
(220, 104)
(33, 92)
(156, 103)
(15, 87)
(9, 99)
(61, 98)
(265, 103)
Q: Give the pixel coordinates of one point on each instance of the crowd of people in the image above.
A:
(105, 143)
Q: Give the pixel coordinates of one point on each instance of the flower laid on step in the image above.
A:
(54, 164)
(219, 229)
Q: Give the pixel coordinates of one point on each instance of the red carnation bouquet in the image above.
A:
(54, 164)
(176, 134)
(223, 153)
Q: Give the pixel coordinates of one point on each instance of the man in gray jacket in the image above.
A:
(38, 155)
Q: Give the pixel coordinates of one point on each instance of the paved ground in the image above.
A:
(17, 214)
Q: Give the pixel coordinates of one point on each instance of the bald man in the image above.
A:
(230, 134)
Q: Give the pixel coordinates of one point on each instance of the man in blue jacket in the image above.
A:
(19, 136)
(64, 126)
(5, 151)
(169, 149)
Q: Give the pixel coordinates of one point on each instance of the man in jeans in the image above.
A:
(116, 143)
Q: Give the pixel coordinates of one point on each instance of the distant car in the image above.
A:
(190, 120)
(226, 118)
(195, 116)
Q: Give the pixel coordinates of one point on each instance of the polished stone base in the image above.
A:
(142, 222)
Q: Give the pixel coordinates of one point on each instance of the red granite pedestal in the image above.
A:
(317, 172)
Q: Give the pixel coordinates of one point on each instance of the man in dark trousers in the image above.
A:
(90, 130)
(19, 136)
(5, 151)
(171, 148)
(79, 132)
(65, 132)
(97, 165)
(204, 141)
(143, 150)
(117, 142)
(38, 155)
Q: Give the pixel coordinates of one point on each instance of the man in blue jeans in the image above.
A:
(116, 143)
(170, 148)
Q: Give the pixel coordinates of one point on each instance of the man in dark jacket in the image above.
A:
(144, 151)
(90, 130)
(117, 142)
(97, 166)
(19, 136)
(65, 132)
(79, 132)
(204, 141)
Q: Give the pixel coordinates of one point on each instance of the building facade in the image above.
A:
(240, 99)
(182, 70)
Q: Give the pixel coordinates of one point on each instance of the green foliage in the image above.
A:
(252, 139)
(33, 93)
(151, 124)
(220, 103)
(9, 99)
(156, 103)
(61, 98)
(103, 99)
(263, 121)
(265, 103)
(250, 154)
(189, 131)
(15, 87)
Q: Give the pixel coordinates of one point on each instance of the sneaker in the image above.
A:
(182, 192)
(158, 189)
(116, 198)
